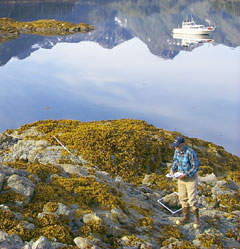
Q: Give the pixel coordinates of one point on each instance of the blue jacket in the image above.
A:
(185, 162)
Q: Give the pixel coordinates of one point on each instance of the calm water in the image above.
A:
(130, 66)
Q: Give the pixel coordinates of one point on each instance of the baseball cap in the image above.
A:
(177, 141)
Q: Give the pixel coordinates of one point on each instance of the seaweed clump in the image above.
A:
(126, 148)
(129, 148)
(208, 240)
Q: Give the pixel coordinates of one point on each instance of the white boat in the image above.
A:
(190, 27)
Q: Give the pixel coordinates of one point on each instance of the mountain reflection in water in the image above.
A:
(130, 66)
(117, 21)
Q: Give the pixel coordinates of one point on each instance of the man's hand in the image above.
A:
(171, 173)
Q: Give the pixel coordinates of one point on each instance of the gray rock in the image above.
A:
(223, 188)
(147, 180)
(119, 179)
(197, 243)
(172, 201)
(57, 245)
(17, 215)
(27, 246)
(2, 177)
(237, 212)
(29, 226)
(120, 215)
(103, 175)
(91, 217)
(50, 155)
(63, 210)
(82, 242)
(22, 185)
(95, 247)
(222, 184)
(73, 169)
(8, 171)
(7, 241)
(31, 150)
(42, 243)
(233, 185)
(115, 231)
(218, 191)
(210, 179)
(202, 201)
(3, 207)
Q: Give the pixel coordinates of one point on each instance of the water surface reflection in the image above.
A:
(130, 66)
(197, 93)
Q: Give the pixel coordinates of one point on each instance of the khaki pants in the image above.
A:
(187, 191)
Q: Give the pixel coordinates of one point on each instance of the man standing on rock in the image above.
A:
(186, 162)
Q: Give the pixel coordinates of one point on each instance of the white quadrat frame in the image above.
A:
(170, 210)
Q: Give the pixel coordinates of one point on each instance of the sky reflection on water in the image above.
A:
(197, 93)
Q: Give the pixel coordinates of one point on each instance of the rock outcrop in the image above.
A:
(10, 29)
(68, 184)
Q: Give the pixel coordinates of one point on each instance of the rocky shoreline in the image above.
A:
(69, 184)
(11, 29)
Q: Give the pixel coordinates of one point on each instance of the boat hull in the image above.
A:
(206, 31)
